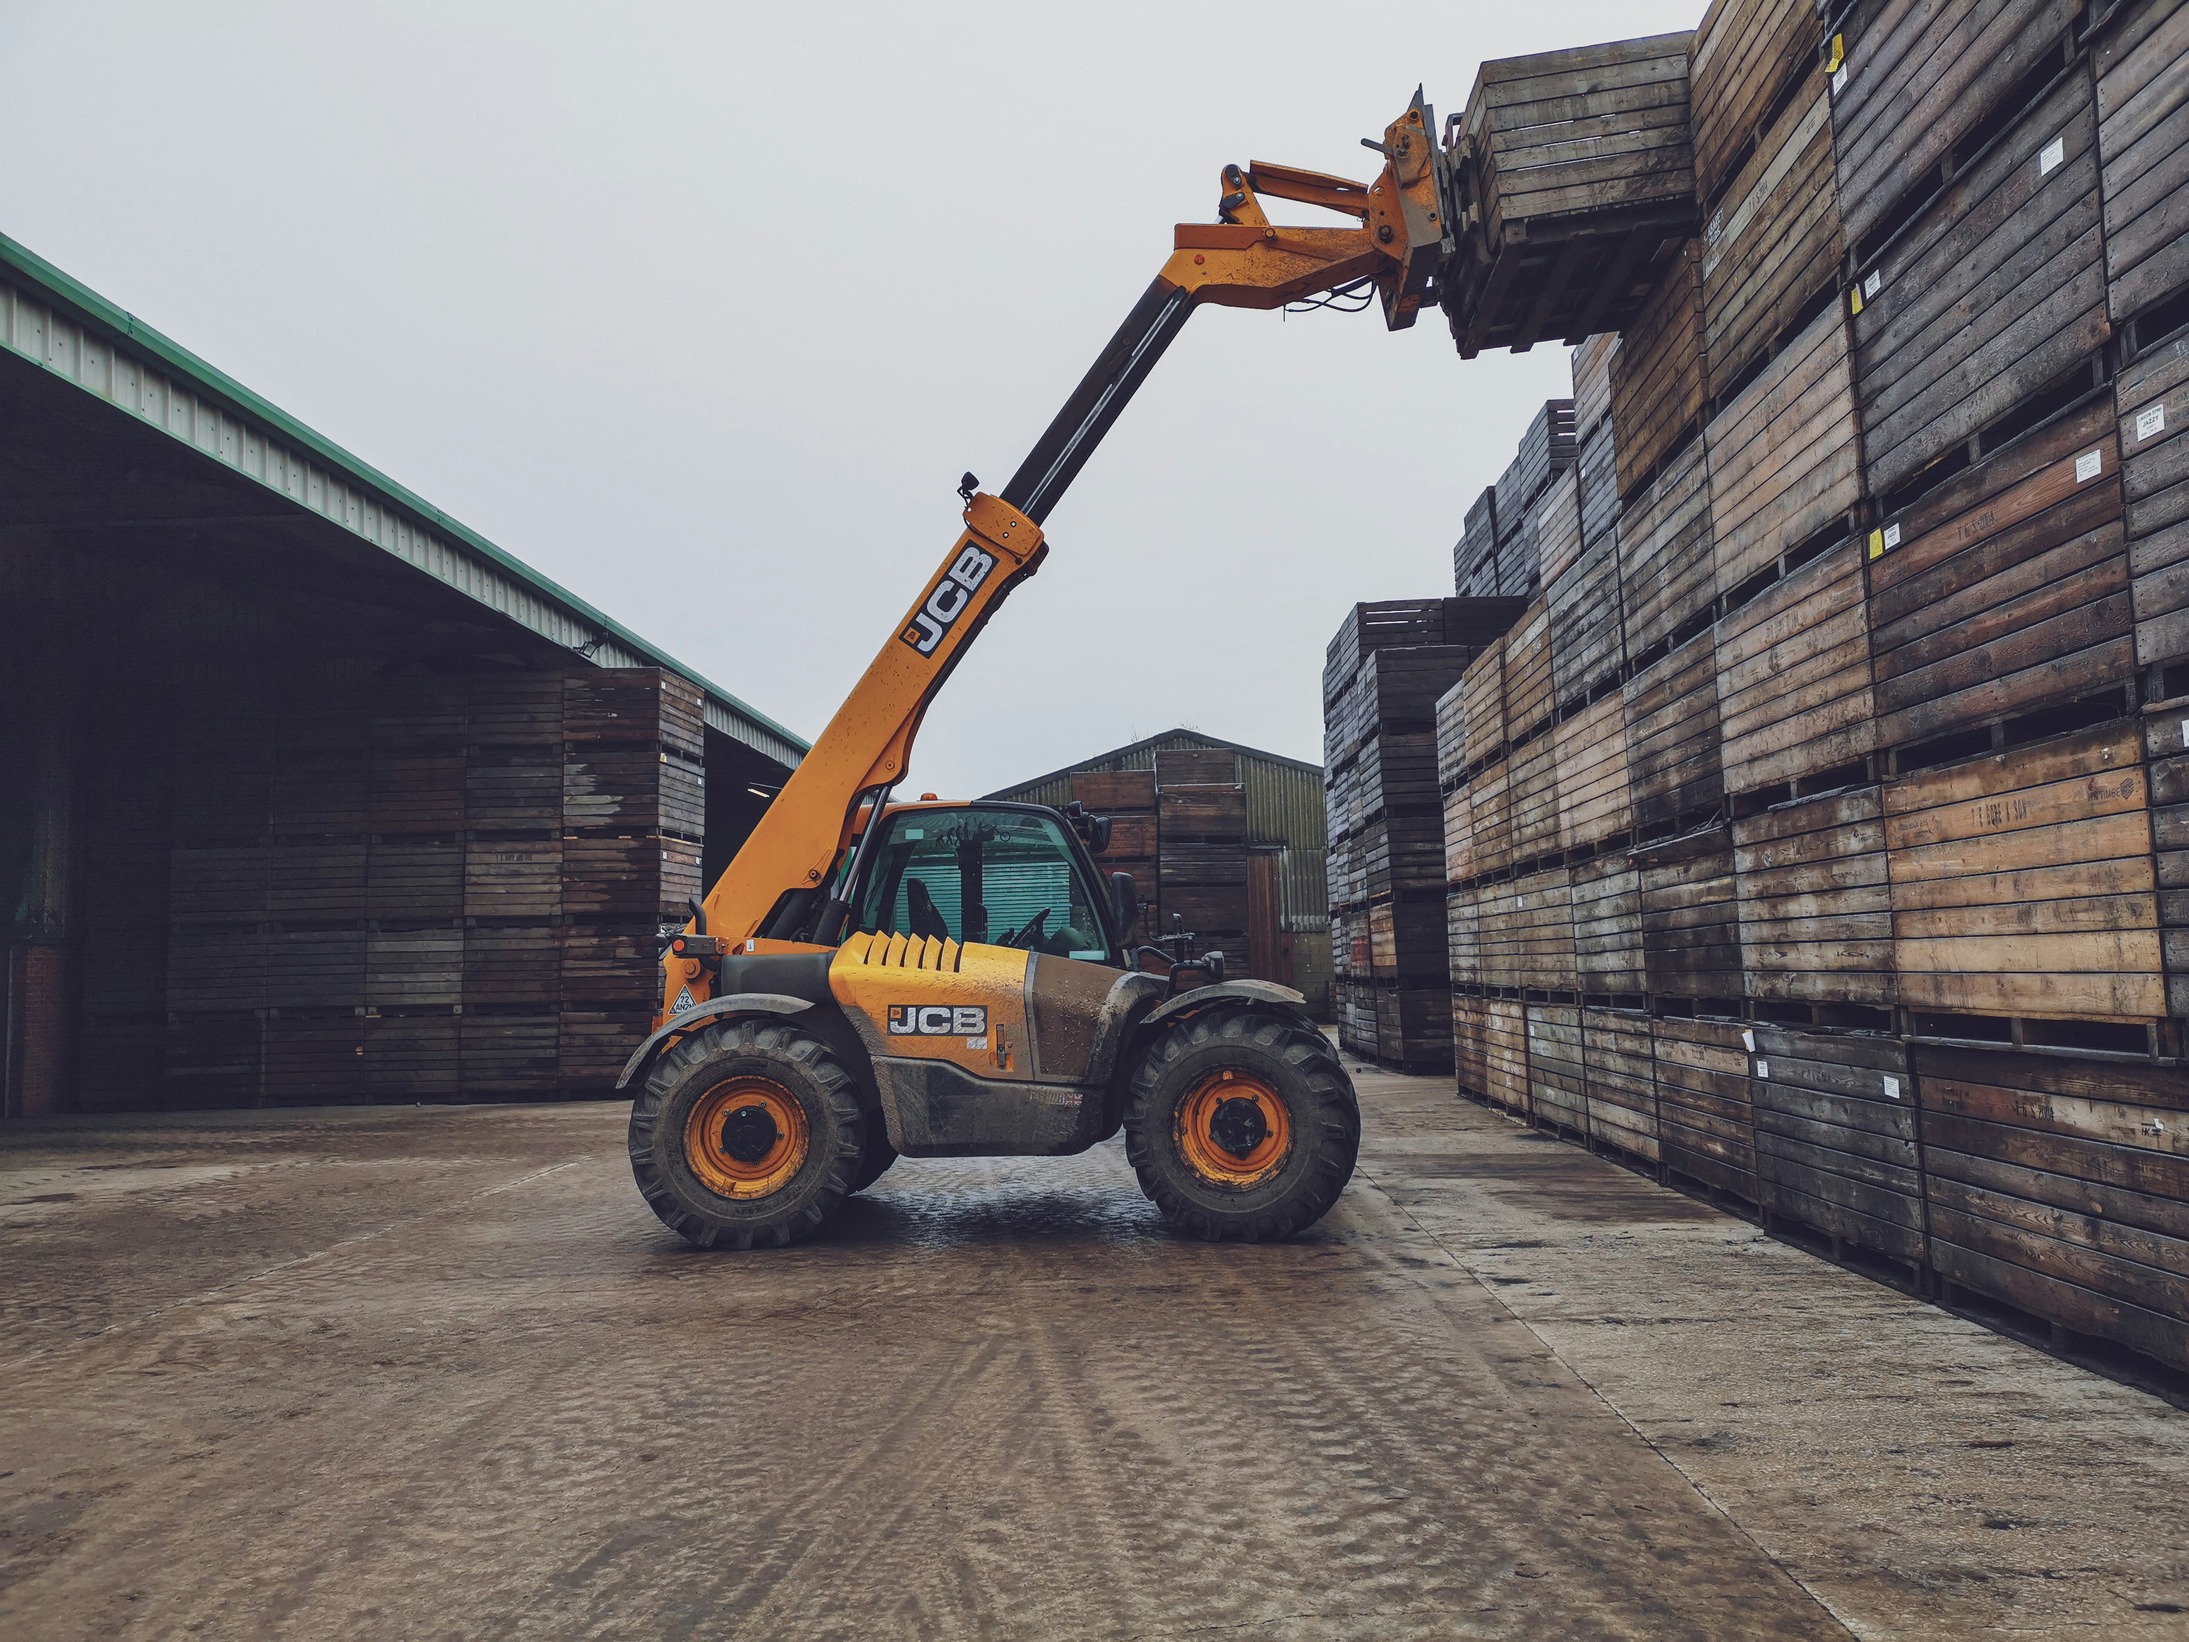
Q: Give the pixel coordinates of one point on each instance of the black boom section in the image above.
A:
(1105, 391)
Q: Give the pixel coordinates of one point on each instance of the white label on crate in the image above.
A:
(2049, 156)
(1748, 1042)
(1874, 284)
(1839, 80)
(1892, 1087)
(2151, 419)
(1892, 536)
(2089, 465)
(1520, 900)
(2185, 732)
(1717, 227)
(1763, 1069)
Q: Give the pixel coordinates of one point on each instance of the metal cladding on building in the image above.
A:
(308, 793)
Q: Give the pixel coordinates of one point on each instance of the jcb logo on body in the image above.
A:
(938, 1020)
(948, 600)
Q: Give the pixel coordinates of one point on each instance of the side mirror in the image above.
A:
(1099, 844)
(1124, 906)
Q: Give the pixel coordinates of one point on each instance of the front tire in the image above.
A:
(1242, 1124)
(746, 1133)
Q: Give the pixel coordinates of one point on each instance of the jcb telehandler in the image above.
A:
(871, 979)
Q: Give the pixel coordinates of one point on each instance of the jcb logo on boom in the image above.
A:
(936, 1020)
(949, 599)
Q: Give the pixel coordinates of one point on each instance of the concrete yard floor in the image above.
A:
(439, 1372)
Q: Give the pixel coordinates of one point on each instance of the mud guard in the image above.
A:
(714, 1009)
(1261, 992)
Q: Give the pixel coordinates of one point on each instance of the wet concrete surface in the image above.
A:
(439, 1372)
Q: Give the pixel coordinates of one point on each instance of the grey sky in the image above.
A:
(703, 309)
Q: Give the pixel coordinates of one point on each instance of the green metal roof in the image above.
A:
(61, 324)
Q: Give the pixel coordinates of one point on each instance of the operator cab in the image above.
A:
(993, 873)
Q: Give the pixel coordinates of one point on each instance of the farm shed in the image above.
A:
(1227, 839)
(307, 792)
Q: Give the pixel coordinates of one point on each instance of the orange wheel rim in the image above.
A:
(745, 1137)
(1232, 1130)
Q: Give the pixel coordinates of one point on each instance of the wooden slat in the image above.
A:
(1784, 456)
(1794, 698)
(2022, 884)
(1815, 910)
(1528, 678)
(1505, 1053)
(1666, 571)
(1990, 295)
(1772, 250)
(1743, 51)
(2166, 757)
(1588, 645)
(1535, 797)
(1470, 1045)
(2007, 589)
(1592, 385)
(2152, 399)
(1658, 382)
(2143, 141)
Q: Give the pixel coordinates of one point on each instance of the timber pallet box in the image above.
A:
(2143, 141)
(1748, 58)
(1413, 1028)
(1816, 920)
(1557, 1089)
(2057, 1185)
(1660, 386)
(515, 710)
(1607, 927)
(1595, 806)
(1666, 571)
(1588, 645)
(1837, 1147)
(2152, 401)
(505, 1055)
(1690, 915)
(1526, 932)
(603, 967)
(513, 790)
(1408, 941)
(1993, 293)
(1785, 474)
(639, 880)
(314, 1059)
(2023, 884)
(412, 1056)
(633, 789)
(417, 794)
(1675, 765)
(320, 797)
(1534, 797)
(512, 966)
(315, 969)
(1528, 678)
(1794, 694)
(1921, 83)
(414, 968)
(1596, 478)
(1571, 168)
(593, 1045)
(1619, 1081)
(1705, 1117)
(1592, 365)
(513, 878)
(1474, 555)
(211, 1060)
(2006, 589)
(414, 880)
(1196, 767)
(1546, 450)
(1115, 792)
(641, 706)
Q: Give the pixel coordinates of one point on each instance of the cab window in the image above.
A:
(995, 876)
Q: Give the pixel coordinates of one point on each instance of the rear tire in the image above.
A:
(746, 1133)
(1242, 1124)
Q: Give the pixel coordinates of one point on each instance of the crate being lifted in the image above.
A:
(1573, 173)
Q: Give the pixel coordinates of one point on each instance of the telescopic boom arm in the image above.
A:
(776, 886)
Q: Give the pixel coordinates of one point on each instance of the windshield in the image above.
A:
(1002, 877)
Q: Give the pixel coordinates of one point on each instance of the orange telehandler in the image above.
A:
(871, 979)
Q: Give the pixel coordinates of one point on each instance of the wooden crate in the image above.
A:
(632, 790)
(1489, 810)
(1541, 930)
(1588, 645)
(2062, 1186)
(321, 794)
(1619, 1080)
(1115, 792)
(1202, 815)
(1919, 77)
(519, 966)
(1745, 53)
(1590, 757)
(1463, 936)
(1592, 359)
(1527, 666)
(1471, 1045)
(1674, 767)
(1557, 519)
(417, 794)
(414, 968)
(1784, 458)
(1401, 854)
(634, 706)
(216, 971)
(1691, 944)
(1597, 472)
(1132, 838)
(1474, 555)
(414, 881)
(2022, 883)
(1545, 453)
(1459, 836)
(2143, 143)
(593, 1045)
(219, 885)
(2166, 757)
(1557, 1087)
(1989, 297)
(1659, 384)
(210, 1059)
(412, 1057)
(1414, 1028)
(514, 1055)
(1607, 927)
(2151, 396)
(1482, 703)
(1836, 1141)
(513, 790)
(1198, 766)
(1535, 797)
(2007, 588)
(513, 878)
(510, 710)
(1572, 167)
(1666, 573)
(1505, 1054)
(608, 967)
(1794, 697)
(1815, 911)
(1705, 1121)
(318, 882)
(1396, 623)
(315, 969)
(1772, 247)
(1355, 1006)
(313, 1060)
(1409, 941)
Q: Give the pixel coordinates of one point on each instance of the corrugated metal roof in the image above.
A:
(1284, 809)
(67, 328)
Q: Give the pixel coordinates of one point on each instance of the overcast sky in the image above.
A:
(702, 310)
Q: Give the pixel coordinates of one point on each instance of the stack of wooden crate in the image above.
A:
(1128, 798)
(1500, 554)
(1201, 827)
(1830, 851)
